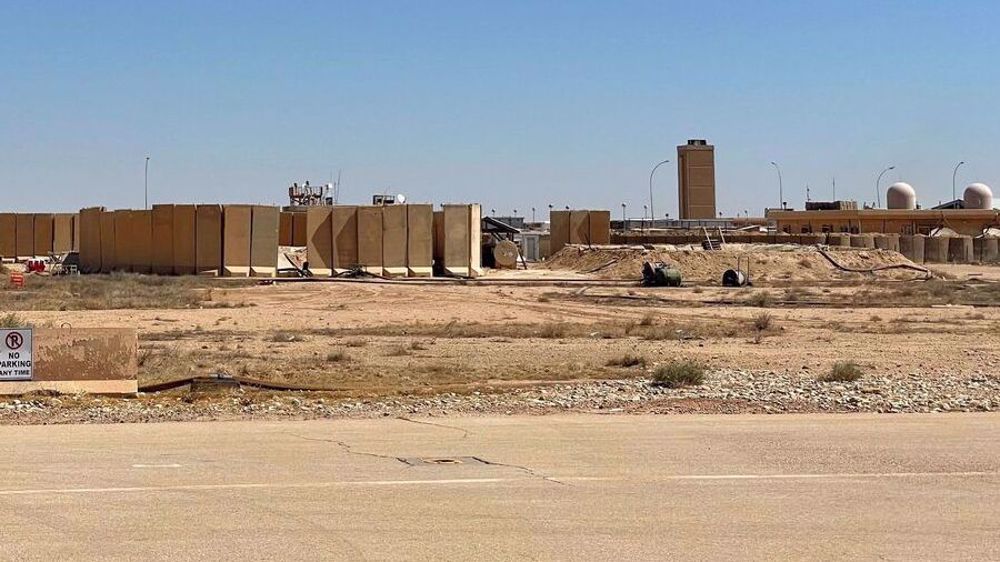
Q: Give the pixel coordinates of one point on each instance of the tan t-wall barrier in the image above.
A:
(62, 232)
(163, 240)
(236, 224)
(90, 239)
(208, 257)
(185, 240)
(344, 222)
(579, 227)
(8, 235)
(264, 241)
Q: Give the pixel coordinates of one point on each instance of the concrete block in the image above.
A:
(185, 239)
(163, 240)
(90, 239)
(72, 360)
(579, 227)
(285, 228)
(476, 240)
(986, 249)
(8, 235)
(62, 233)
(960, 249)
(935, 249)
(264, 241)
(600, 227)
(912, 247)
(866, 241)
(370, 239)
(25, 235)
(300, 229)
(344, 227)
(208, 239)
(420, 240)
(319, 240)
(887, 242)
(141, 227)
(559, 230)
(457, 241)
(236, 232)
(109, 259)
(394, 234)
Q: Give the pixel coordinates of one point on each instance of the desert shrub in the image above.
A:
(552, 330)
(628, 360)
(762, 321)
(843, 371)
(760, 299)
(12, 320)
(678, 374)
(337, 357)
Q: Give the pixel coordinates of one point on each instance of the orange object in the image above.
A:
(17, 280)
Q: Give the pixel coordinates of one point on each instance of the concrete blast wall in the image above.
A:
(912, 247)
(236, 232)
(935, 250)
(344, 226)
(394, 240)
(462, 244)
(141, 227)
(370, 239)
(584, 227)
(109, 259)
(185, 244)
(960, 249)
(90, 239)
(8, 235)
(300, 229)
(887, 242)
(62, 232)
(25, 235)
(419, 242)
(559, 228)
(862, 241)
(124, 244)
(208, 255)
(264, 241)
(987, 250)
(285, 219)
(600, 227)
(319, 240)
(163, 240)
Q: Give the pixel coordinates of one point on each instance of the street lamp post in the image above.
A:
(145, 185)
(624, 220)
(653, 171)
(878, 183)
(781, 188)
(954, 194)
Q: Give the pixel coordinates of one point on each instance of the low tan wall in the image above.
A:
(69, 360)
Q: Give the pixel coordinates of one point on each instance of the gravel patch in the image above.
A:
(724, 391)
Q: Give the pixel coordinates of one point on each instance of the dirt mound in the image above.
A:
(768, 262)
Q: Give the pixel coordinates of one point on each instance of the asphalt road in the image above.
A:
(562, 487)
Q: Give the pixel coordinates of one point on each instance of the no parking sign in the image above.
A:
(15, 355)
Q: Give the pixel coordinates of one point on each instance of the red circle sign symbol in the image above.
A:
(14, 340)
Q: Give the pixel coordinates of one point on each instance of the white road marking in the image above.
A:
(468, 481)
(172, 465)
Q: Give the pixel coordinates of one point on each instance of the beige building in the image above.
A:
(888, 221)
(696, 179)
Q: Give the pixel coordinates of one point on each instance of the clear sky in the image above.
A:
(512, 104)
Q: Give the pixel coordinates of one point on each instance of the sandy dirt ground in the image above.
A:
(373, 339)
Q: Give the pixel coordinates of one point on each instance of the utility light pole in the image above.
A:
(145, 185)
(878, 183)
(954, 193)
(781, 189)
(653, 171)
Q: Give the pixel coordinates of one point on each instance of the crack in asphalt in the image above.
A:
(465, 432)
(526, 470)
(348, 448)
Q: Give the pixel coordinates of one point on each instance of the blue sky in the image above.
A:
(511, 104)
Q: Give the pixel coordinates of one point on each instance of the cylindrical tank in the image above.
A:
(960, 249)
(936, 249)
(912, 247)
(901, 195)
(978, 196)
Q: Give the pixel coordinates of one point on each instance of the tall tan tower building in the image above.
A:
(696, 179)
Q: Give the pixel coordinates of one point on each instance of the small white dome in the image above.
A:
(978, 196)
(901, 196)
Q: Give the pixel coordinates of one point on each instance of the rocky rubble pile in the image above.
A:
(724, 391)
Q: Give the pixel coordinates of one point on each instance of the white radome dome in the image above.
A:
(978, 196)
(901, 195)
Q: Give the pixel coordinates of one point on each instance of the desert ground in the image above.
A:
(562, 336)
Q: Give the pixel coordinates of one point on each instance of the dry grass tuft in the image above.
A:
(678, 374)
(627, 360)
(843, 371)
